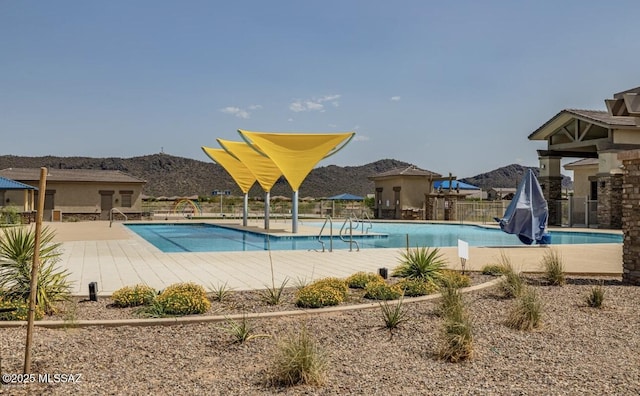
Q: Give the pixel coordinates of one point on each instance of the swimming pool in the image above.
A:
(201, 237)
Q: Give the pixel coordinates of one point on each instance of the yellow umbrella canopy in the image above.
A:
(238, 171)
(295, 154)
(263, 169)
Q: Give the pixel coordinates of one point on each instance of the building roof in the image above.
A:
(8, 184)
(599, 117)
(409, 171)
(582, 162)
(70, 175)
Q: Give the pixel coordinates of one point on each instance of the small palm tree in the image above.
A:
(17, 247)
(420, 263)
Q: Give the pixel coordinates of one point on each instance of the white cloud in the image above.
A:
(314, 104)
(290, 120)
(395, 98)
(239, 112)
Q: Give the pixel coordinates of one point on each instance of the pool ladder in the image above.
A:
(111, 215)
(342, 234)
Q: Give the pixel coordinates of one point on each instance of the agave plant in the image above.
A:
(420, 263)
(17, 247)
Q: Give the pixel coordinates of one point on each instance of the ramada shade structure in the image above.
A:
(243, 177)
(269, 155)
(296, 154)
(263, 168)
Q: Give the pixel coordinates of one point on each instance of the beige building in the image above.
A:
(597, 135)
(83, 194)
(403, 193)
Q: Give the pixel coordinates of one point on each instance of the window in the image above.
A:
(125, 199)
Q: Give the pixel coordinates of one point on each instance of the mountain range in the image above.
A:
(168, 175)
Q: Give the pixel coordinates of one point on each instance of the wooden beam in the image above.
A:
(586, 130)
(579, 145)
(568, 154)
(566, 132)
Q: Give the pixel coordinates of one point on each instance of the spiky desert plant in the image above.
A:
(457, 336)
(273, 295)
(451, 304)
(421, 263)
(298, 360)
(17, 247)
(393, 314)
(526, 312)
(241, 330)
(221, 292)
(553, 267)
(596, 296)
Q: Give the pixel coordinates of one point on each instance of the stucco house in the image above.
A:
(83, 194)
(407, 193)
(596, 135)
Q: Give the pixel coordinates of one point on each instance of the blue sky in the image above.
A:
(448, 86)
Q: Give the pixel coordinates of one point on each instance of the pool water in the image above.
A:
(196, 237)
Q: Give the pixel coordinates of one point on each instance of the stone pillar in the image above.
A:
(610, 200)
(378, 208)
(631, 217)
(450, 201)
(551, 182)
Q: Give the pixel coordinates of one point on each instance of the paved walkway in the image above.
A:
(115, 257)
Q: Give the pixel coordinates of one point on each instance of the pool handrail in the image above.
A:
(330, 221)
(350, 241)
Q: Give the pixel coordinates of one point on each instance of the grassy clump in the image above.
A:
(21, 312)
(298, 360)
(393, 314)
(512, 285)
(596, 297)
(380, 290)
(322, 293)
(457, 333)
(133, 296)
(553, 268)
(455, 278)
(17, 247)
(184, 299)
(492, 269)
(420, 263)
(416, 287)
(526, 312)
(359, 280)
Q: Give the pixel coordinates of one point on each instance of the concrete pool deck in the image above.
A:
(115, 257)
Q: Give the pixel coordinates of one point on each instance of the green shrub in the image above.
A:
(133, 296)
(492, 269)
(17, 247)
(10, 215)
(455, 278)
(416, 287)
(184, 299)
(22, 311)
(512, 284)
(420, 263)
(335, 283)
(596, 297)
(242, 331)
(318, 296)
(382, 291)
(451, 304)
(553, 267)
(360, 279)
(526, 312)
(298, 360)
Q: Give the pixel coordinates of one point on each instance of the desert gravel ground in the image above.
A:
(578, 351)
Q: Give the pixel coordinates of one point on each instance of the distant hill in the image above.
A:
(169, 175)
(508, 176)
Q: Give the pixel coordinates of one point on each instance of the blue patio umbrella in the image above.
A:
(456, 184)
(345, 197)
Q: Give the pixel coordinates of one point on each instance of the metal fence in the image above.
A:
(480, 211)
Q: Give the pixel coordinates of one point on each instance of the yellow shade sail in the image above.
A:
(263, 169)
(295, 154)
(243, 177)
